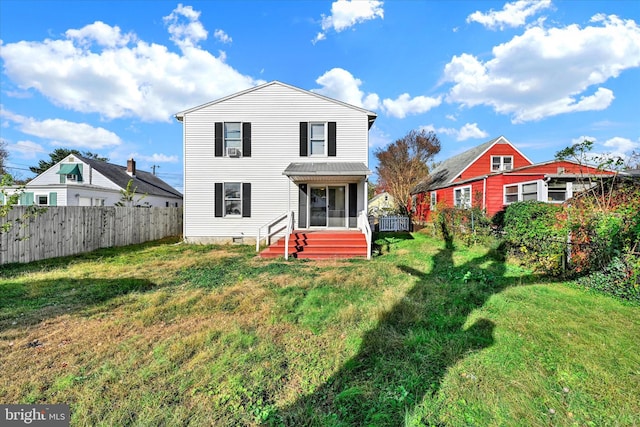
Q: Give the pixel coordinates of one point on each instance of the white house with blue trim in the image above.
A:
(256, 155)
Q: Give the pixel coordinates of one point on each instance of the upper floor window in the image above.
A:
(232, 139)
(317, 139)
(462, 197)
(501, 163)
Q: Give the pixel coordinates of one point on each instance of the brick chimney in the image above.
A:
(131, 167)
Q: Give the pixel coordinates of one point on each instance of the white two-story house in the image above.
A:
(258, 154)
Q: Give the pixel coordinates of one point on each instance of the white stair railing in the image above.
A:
(289, 231)
(363, 225)
(269, 231)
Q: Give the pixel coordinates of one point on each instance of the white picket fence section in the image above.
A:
(393, 223)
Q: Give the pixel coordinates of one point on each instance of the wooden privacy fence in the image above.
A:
(393, 223)
(70, 230)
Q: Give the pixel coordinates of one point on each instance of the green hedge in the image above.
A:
(535, 233)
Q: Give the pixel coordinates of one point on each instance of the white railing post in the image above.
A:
(258, 240)
(363, 225)
(286, 237)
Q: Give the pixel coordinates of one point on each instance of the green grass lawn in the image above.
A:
(424, 335)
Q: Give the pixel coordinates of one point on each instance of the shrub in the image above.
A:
(620, 278)
(534, 233)
(470, 226)
(599, 235)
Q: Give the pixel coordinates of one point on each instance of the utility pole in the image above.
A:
(153, 167)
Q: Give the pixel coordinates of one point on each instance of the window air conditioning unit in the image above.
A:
(233, 152)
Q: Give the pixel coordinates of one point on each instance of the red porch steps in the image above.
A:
(320, 245)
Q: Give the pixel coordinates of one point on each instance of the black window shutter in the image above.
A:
(219, 199)
(218, 137)
(246, 139)
(302, 206)
(332, 139)
(304, 140)
(246, 199)
(353, 202)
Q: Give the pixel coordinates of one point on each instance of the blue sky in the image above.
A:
(109, 76)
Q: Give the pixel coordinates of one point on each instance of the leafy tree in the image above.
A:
(128, 195)
(4, 154)
(404, 163)
(59, 154)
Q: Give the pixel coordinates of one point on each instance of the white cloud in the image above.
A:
(378, 138)
(622, 147)
(97, 69)
(185, 28)
(613, 148)
(340, 84)
(347, 13)
(64, 133)
(468, 131)
(405, 105)
(156, 158)
(101, 33)
(582, 139)
(451, 117)
(222, 36)
(27, 149)
(513, 14)
(544, 72)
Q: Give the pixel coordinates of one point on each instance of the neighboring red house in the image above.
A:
(495, 174)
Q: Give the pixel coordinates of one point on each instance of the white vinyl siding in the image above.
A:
(275, 112)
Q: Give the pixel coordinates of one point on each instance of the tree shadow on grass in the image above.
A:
(27, 303)
(405, 358)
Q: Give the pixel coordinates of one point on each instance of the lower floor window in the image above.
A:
(521, 192)
(232, 198)
(530, 191)
(462, 197)
(42, 200)
(557, 191)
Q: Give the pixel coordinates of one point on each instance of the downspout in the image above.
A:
(484, 194)
(289, 194)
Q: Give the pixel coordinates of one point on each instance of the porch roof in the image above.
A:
(328, 171)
